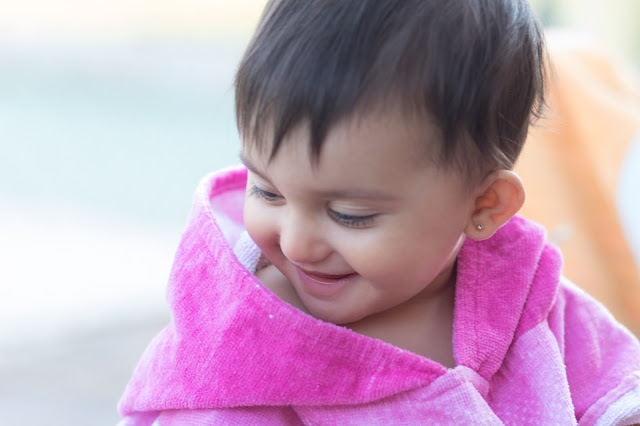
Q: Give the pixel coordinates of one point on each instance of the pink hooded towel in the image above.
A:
(529, 346)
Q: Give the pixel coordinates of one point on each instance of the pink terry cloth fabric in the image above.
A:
(530, 347)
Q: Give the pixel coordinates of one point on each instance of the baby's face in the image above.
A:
(369, 227)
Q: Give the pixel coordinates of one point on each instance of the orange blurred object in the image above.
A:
(570, 167)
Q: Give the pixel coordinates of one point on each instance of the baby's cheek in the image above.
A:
(382, 261)
(368, 260)
(260, 225)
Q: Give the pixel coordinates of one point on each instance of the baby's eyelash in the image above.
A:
(351, 221)
(254, 191)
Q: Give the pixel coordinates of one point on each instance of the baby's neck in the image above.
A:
(421, 325)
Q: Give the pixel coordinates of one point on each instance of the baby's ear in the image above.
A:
(501, 196)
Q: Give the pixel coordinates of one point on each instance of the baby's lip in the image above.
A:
(324, 277)
(323, 285)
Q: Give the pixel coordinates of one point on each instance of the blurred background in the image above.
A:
(110, 113)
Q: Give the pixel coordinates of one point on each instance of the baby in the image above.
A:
(366, 265)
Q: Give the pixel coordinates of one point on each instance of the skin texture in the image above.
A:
(367, 237)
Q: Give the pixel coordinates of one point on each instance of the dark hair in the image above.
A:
(476, 67)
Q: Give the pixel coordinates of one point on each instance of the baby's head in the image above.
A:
(472, 68)
(379, 135)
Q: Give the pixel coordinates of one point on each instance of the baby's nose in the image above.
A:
(302, 240)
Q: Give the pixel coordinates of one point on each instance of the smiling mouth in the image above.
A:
(328, 279)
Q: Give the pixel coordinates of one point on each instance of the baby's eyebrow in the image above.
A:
(357, 194)
(249, 165)
(339, 194)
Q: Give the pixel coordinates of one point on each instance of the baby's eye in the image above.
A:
(351, 221)
(254, 191)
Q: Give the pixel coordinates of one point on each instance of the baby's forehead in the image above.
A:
(389, 130)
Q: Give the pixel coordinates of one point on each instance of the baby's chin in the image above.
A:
(338, 312)
(331, 312)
